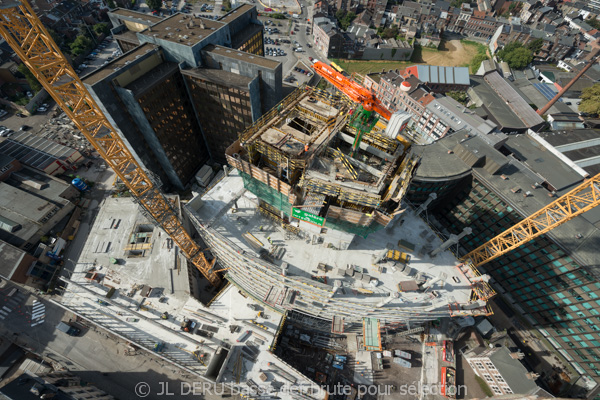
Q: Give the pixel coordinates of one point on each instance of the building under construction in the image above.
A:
(306, 229)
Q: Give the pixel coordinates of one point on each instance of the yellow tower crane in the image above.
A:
(24, 32)
(579, 200)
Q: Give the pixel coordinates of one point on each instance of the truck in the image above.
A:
(68, 329)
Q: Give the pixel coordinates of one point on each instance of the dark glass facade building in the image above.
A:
(550, 280)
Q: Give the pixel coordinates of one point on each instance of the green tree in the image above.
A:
(101, 28)
(590, 100)
(520, 58)
(461, 97)
(81, 44)
(344, 18)
(536, 45)
(31, 79)
(594, 23)
(517, 56)
(389, 33)
(459, 3)
(154, 4)
(111, 4)
(476, 61)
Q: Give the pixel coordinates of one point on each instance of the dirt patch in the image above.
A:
(451, 53)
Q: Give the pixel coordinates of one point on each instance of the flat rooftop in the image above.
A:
(184, 29)
(142, 18)
(498, 110)
(582, 146)
(163, 274)
(10, 258)
(127, 36)
(242, 56)
(113, 66)
(441, 162)
(236, 13)
(539, 164)
(28, 208)
(150, 78)
(220, 77)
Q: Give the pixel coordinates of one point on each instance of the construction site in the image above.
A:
(302, 266)
(316, 246)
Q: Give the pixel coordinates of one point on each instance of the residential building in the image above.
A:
(480, 24)
(327, 38)
(503, 372)
(444, 116)
(31, 204)
(377, 8)
(186, 86)
(554, 47)
(55, 385)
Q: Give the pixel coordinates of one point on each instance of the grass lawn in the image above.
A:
(452, 53)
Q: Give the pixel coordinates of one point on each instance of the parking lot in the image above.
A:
(104, 53)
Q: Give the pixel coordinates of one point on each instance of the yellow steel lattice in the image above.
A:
(579, 200)
(24, 32)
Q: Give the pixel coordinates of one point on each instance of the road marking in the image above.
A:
(38, 313)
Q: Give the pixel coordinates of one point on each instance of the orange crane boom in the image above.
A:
(28, 37)
(352, 89)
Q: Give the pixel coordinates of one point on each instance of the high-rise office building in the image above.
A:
(185, 87)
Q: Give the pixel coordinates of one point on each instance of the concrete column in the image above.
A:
(423, 207)
(454, 239)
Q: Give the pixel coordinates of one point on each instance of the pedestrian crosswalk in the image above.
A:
(10, 303)
(38, 313)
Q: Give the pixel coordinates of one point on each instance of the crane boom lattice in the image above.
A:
(26, 35)
(579, 200)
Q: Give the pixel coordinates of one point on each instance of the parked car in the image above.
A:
(21, 115)
(24, 128)
(29, 94)
(42, 109)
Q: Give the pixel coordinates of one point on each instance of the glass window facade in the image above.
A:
(550, 286)
(169, 111)
(223, 111)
